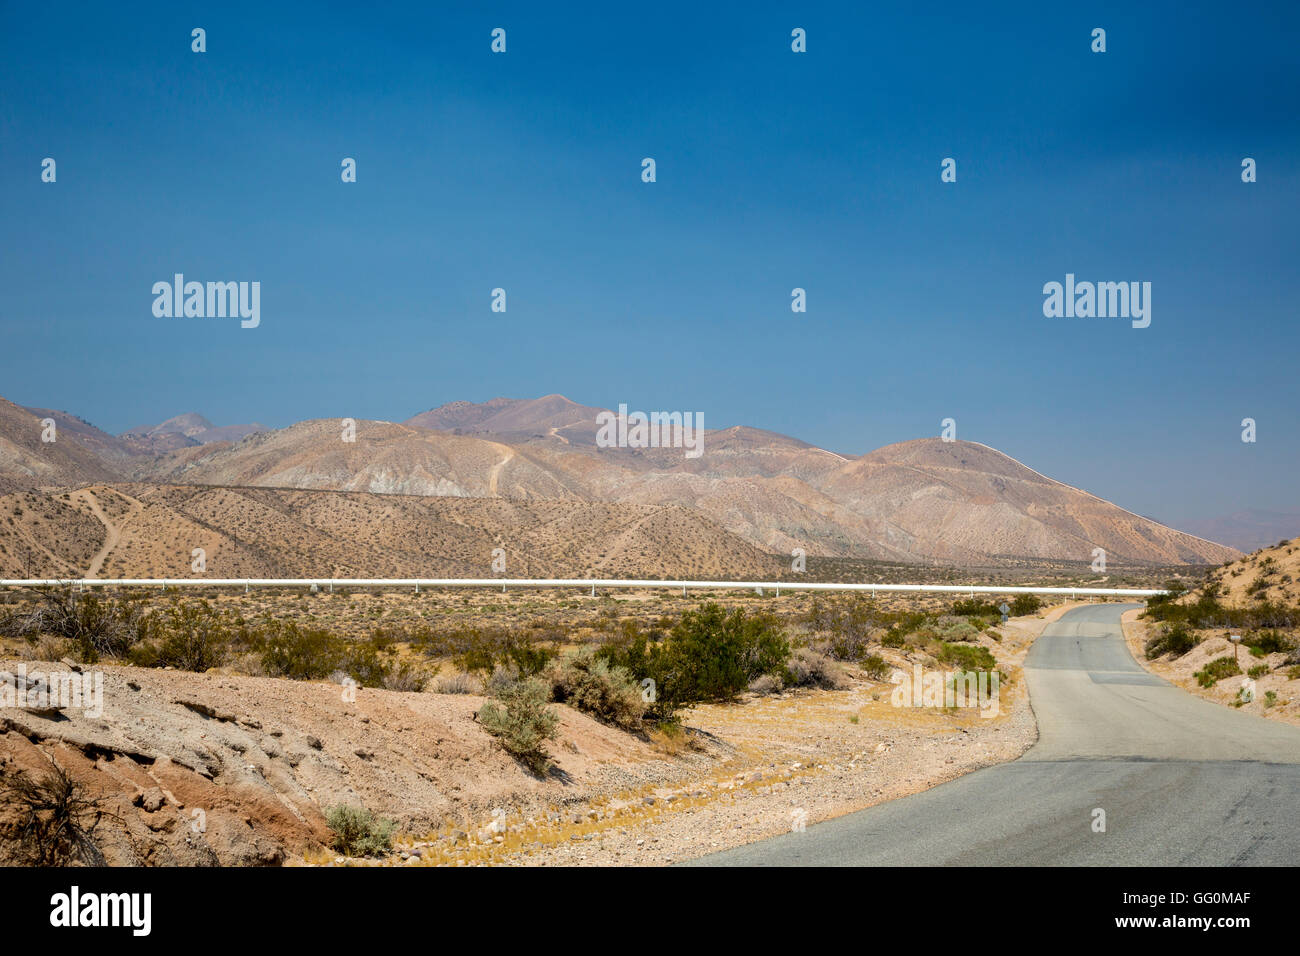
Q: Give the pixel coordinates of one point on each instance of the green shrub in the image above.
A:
(1268, 642)
(520, 719)
(973, 607)
(967, 657)
(483, 650)
(190, 636)
(1258, 670)
(529, 656)
(713, 655)
(1176, 640)
(875, 667)
(361, 662)
(358, 833)
(1206, 612)
(708, 655)
(1216, 670)
(300, 653)
(1024, 604)
(845, 627)
(893, 638)
(479, 659)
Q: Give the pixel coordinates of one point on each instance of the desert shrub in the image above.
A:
(56, 818)
(500, 680)
(458, 683)
(1176, 640)
(188, 635)
(481, 650)
(1216, 670)
(1024, 604)
(846, 626)
(405, 677)
(1268, 642)
(765, 684)
(300, 653)
(952, 628)
(709, 654)
(1259, 670)
(967, 657)
(974, 607)
(357, 832)
(906, 622)
(528, 656)
(47, 647)
(808, 668)
(875, 667)
(916, 629)
(1206, 612)
(520, 719)
(594, 686)
(96, 625)
(361, 662)
(476, 659)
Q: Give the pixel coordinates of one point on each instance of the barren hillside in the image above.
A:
(152, 531)
(27, 461)
(1270, 574)
(923, 501)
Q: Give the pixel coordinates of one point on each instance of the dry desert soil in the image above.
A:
(230, 769)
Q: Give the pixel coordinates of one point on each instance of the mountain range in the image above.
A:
(1249, 529)
(751, 492)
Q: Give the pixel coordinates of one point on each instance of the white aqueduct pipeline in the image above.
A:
(593, 583)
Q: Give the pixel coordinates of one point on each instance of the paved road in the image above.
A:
(1183, 781)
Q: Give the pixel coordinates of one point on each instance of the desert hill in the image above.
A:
(1269, 574)
(510, 418)
(191, 427)
(137, 530)
(27, 461)
(928, 501)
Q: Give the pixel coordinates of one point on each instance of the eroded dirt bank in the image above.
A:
(196, 769)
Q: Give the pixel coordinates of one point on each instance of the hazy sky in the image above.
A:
(775, 170)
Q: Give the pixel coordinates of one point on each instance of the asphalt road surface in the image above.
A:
(1182, 781)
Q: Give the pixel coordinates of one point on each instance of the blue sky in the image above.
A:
(775, 170)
